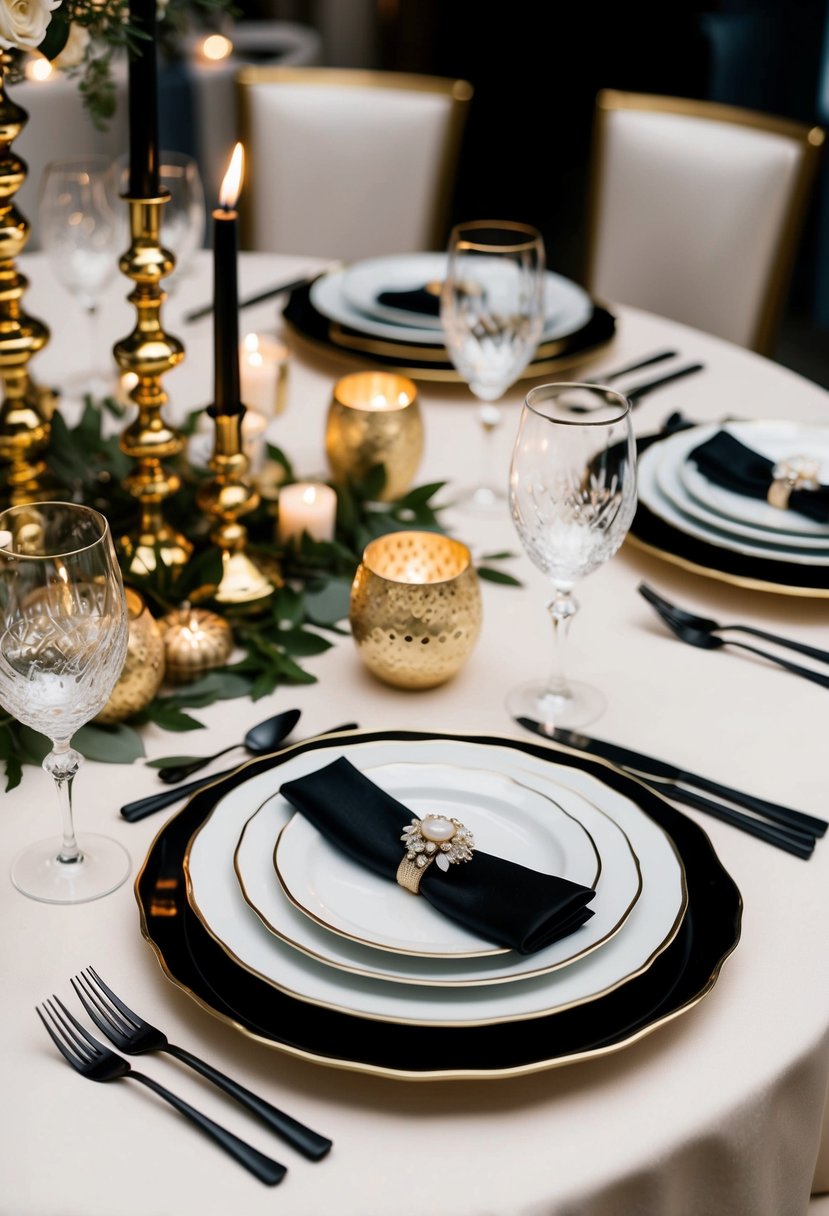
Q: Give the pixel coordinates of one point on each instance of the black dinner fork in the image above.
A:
(97, 1063)
(706, 640)
(133, 1035)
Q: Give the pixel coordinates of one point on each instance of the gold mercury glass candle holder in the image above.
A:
(374, 418)
(415, 608)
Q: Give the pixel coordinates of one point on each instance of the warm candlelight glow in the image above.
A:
(38, 68)
(251, 343)
(306, 507)
(232, 182)
(263, 370)
(216, 47)
(310, 495)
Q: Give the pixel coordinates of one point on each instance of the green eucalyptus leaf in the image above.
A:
(170, 761)
(498, 576)
(56, 36)
(264, 684)
(292, 673)
(303, 642)
(169, 717)
(119, 744)
(328, 604)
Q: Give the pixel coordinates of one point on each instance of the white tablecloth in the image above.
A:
(718, 1113)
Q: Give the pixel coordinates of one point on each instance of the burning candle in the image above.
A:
(306, 506)
(264, 370)
(143, 103)
(227, 397)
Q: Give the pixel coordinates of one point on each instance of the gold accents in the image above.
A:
(149, 352)
(409, 875)
(434, 838)
(27, 409)
(143, 669)
(194, 641)
(227, 497)
(415, 608)
(374, 418)
(793, 473)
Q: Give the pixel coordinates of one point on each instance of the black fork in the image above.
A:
(135, 1036)
(97, 1063)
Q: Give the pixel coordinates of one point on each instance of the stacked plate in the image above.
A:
(270, 928)
(386, 310)
(729, 535)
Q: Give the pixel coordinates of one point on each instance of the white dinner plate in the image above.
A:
(217, 900)
(656, 501)
(618, 887)
(568, 308)
(507, 819)
(776, 441)
(364, 281)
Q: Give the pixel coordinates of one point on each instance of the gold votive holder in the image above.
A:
(374, 418)
(415, 608)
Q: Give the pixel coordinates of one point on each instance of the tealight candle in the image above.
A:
(254, 426)
(263, 371)
(306, 507)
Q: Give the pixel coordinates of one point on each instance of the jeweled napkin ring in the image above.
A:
(793, 473)
(433, 838)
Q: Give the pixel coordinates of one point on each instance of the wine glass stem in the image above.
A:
(490, 417)
(62, 764)
(562, 608)
(92, 329)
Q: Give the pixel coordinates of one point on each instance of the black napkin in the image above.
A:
(412, 299)
(729, 463)
(500, 900)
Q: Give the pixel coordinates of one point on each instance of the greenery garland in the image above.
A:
(299, 621)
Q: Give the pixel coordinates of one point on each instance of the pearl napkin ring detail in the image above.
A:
(794, 473)
(433, 838)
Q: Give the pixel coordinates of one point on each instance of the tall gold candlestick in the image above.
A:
(149, 352)
(27, 409)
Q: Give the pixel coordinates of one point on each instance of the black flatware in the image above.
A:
(97, 1063)
(135, 1036)
(635, 394)
(270, 294)
(707, 625)
(142, 807)
(796, 827)
(258, 741)
(617, 373)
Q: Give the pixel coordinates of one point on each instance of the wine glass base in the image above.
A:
(481, 500)
(38, 873)
(581, 704)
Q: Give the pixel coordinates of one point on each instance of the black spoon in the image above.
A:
(259, 740)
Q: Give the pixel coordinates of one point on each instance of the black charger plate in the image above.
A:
(677, 979)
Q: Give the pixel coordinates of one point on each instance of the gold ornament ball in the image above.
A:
(143, 668)
(195, 641)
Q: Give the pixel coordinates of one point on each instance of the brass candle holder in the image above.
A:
(149, 352)
(27, 409)
(228, 497)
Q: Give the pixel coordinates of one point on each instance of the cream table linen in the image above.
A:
(717, 1114)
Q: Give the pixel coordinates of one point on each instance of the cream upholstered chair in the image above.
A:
(348, 164)
(696, 209)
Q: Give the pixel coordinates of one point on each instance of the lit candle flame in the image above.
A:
(216, 47)
(38, 69)
(251, 342)
(232, 182)
(310, 495)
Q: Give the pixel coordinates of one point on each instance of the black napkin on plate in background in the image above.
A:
(412, 299)
(500, 900)
(729, 463)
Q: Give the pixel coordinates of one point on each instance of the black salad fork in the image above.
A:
(97, 1063)
(133, 1035)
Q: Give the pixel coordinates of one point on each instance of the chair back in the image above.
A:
(696, 209)
(348, 164)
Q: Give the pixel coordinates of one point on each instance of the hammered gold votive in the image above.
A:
(374, 418)
(415, 608)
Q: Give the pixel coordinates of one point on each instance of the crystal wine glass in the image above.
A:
(81, 234)
(492, 312)
(182, 216)
(63, 641)
(573, 497)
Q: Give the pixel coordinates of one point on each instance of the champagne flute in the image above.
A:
(573, 497)
(492, 312)
(81, 234)
(63, 641)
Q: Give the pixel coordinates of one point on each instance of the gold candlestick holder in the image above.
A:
(228, 497)
(26, 411)
(149, 352)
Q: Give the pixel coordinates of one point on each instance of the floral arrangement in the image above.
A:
(84, 37)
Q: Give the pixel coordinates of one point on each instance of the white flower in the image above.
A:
(23, 22)
(75, 48)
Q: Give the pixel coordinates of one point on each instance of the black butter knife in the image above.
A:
(797, 822)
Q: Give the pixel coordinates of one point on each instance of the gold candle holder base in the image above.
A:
(149, 352)
(229, 496)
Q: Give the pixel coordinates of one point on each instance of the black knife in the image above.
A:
(661, 770)
(635, 394)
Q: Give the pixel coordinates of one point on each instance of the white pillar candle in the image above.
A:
(306, 507)
(263, 369)
(254, 426)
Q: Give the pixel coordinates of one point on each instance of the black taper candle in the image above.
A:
(143, 103)
(227, 393)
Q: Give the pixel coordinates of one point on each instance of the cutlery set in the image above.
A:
(127, 1031)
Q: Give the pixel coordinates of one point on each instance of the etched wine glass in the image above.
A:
(63, 641)
(492, 313)
(82, 237)
(572, 490)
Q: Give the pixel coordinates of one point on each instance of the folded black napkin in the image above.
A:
(500, 900)
(412, 299)
(729, 463)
